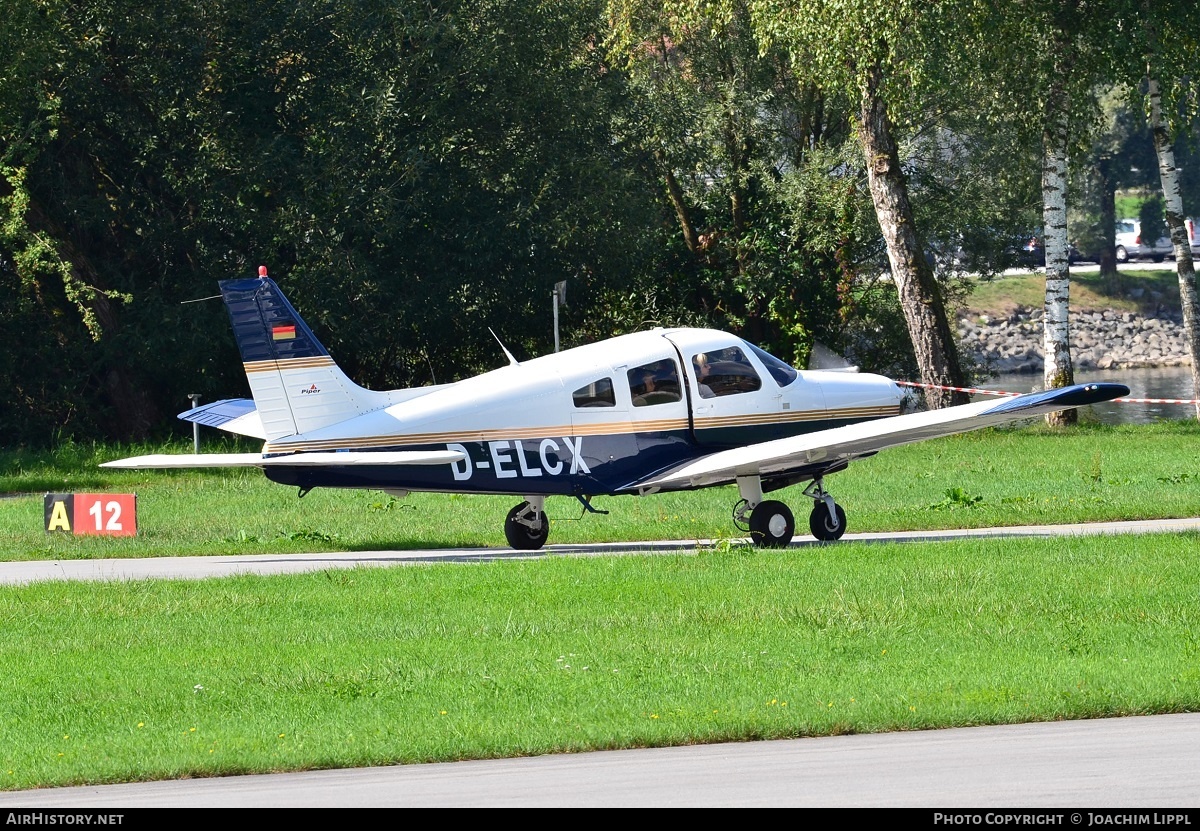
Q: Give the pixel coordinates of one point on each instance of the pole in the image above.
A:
(560, 297)
(195, 399)
(555, 319)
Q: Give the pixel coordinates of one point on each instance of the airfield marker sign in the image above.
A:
(92, 514)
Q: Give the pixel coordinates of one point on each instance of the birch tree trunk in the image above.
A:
(1056, 331)
(920, 296)
(1184, 266)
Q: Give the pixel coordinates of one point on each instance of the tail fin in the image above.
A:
(296, 385)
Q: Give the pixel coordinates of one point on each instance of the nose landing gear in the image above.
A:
(771, 523)
(828, 519)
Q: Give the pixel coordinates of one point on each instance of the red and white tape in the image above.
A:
(971, 390)
(975, 391)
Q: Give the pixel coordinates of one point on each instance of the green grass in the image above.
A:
(1129, 204)
(1089, 292)
(994, 477)
(135, 680)
(141, 680)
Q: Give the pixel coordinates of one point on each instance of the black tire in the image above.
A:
(1121, 254)
(821, 523)
(772, 524)
(522, 537)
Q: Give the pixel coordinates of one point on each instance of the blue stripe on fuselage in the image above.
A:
(589, 464)
(551, 465)
(726, 438)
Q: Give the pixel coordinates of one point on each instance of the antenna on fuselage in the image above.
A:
(511, 360)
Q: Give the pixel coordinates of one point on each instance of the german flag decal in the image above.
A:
(283, 332)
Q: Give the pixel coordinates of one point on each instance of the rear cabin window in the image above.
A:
(596, 394)
(656, 383)
(725, 372)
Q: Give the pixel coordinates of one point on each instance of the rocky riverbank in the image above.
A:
(1099, 340)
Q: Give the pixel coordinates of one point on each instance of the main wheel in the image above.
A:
(772, 524)
(825, 527)
(1122, 254)
(519, 535)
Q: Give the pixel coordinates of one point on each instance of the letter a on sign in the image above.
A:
(59, 507)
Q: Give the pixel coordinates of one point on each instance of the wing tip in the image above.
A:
(1063, 398)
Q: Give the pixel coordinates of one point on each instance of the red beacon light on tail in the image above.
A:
(262, 272)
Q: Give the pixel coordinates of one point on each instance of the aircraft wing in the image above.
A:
(863, 439)
(190, 460)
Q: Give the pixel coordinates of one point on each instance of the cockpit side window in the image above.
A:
(596, 394)
(656, 383)
(724, 372)
(781, 372)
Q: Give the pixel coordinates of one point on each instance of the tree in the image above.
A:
(417, 173)
(740, 144)
(1120, 155)
(1058, 53)
(884, 56)
(1171, 52)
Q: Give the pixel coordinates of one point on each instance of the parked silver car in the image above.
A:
(1131, 246)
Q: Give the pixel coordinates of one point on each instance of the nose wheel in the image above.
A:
(827, 526)
(827, 522)
(526, 527)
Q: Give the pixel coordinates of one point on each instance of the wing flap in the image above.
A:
(855, 440)
(166, 461)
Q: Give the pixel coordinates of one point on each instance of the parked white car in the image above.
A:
(1131, 246)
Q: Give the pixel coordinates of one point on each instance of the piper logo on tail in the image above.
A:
(310, 390)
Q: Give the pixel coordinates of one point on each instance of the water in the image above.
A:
(1151, 382)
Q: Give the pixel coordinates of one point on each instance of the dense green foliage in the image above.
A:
(415, 174)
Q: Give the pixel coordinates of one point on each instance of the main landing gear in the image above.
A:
(526, 527)
(771, 523)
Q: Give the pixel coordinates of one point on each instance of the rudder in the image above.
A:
(295, 383)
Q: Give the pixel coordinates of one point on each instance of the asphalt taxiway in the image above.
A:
(144, 568)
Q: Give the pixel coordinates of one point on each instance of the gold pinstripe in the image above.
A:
(288, 363)
(753, 419)
(515, 433)
(607, 429)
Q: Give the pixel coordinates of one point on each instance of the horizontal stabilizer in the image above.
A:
(828, 447)
(164, 461)
(234, 415)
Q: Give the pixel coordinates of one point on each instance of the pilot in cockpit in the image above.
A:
(700, 364)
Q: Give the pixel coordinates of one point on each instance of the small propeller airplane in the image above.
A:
(660, 410)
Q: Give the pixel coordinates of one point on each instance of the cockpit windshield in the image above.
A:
(781, 372)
